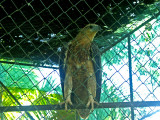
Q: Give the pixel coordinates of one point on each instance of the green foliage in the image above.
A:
(23, 82)
(35, 97)
(109, 94)
(17, 76)
(116, 54)
(145, 66)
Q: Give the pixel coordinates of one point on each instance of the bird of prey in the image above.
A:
(80, 71)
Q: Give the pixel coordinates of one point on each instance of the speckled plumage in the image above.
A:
(81, 72)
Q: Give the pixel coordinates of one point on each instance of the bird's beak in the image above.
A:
(97, 28)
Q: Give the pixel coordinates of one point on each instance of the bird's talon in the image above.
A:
(91, 102)
(96, 102)
(66, 102)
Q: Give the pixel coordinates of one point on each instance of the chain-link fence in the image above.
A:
(40, 50)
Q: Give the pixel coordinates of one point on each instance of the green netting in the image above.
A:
(33, 34)
(43, 79)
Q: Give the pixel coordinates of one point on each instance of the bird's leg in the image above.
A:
(91, 86)
(92, 94)
(67, 90)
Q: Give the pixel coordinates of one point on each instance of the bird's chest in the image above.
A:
(79, 55)
(81, 67)
(80, 80)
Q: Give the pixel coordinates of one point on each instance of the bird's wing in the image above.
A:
(96, 58)
(62, 70)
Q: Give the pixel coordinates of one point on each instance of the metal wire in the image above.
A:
(33, 35)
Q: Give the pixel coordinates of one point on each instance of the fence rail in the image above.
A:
(34, 37)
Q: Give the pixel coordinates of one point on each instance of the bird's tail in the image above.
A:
(84, 113)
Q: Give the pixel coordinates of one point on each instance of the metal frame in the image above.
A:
(101, 105)
(131, 104)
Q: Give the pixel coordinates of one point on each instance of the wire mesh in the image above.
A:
(34, 36)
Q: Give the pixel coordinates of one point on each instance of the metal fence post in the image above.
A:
(130, 76)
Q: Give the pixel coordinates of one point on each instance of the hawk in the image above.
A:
(80, 71)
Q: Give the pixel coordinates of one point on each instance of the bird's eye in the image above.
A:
(90, 26)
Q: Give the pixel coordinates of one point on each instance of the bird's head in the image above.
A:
(91, 28)
(88, 32)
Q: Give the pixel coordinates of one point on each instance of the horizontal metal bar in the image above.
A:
(25, 64)
(61, 107)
